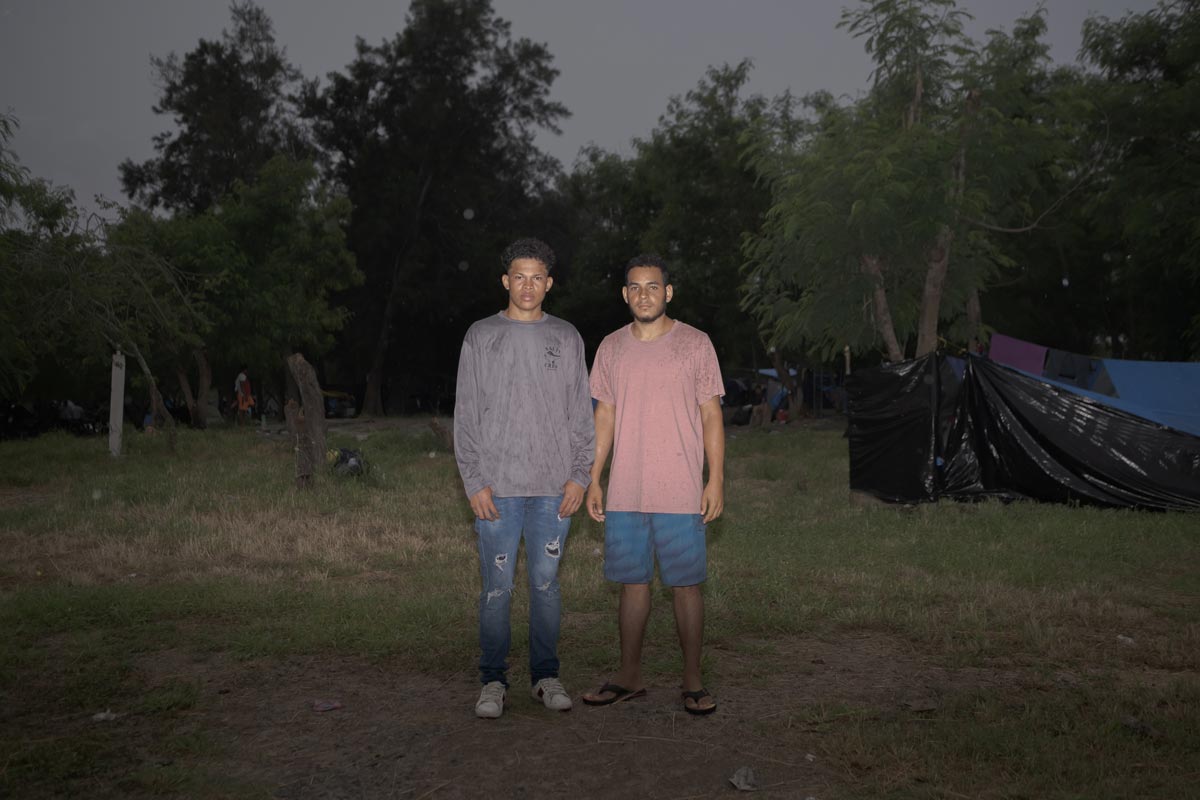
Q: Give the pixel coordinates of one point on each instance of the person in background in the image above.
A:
(243, 397)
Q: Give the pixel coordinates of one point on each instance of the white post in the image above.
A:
(116, 404)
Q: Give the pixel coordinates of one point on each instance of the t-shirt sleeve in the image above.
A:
(601, 379)
(708, 372)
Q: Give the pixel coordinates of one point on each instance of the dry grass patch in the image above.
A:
(249, 543)
(911, 652)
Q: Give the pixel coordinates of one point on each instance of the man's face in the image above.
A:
(645, 293)
(527, 282)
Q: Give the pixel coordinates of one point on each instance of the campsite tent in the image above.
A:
(921, 430)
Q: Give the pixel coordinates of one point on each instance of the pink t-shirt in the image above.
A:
(657, 388)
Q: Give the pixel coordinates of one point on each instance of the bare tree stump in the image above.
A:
(116, 404)
(162, 417)
(303, 445)
(158, 408)
(445, 435)
(313, 410)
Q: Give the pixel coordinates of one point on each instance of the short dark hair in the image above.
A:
(648, 260)
(528, 248)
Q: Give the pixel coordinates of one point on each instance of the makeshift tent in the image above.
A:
(1166, 392)
(920, 431)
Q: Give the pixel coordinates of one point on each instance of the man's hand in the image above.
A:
(482, 505)
(595, 501)
(712, 502)
(572, 499)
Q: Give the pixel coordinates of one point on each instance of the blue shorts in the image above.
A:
(632, 539)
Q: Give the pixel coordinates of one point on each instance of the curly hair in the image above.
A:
(528, 248)
(648, 260)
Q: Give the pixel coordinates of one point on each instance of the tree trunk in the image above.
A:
(974, 320)
(931, 294)
(873, 267)
(313, 404)
(197, 404)
(189, 400)
(912, 114)
(161, 413)
(939, 255)
(159, 409)
(373, 401)
(445, 435)
(297, 427)
(116, 404)
(795, 397)
(291, 391)
(203, 386)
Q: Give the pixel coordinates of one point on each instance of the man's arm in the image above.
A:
(466, 437)
(712, 502)
(606, 421)
(582, 435)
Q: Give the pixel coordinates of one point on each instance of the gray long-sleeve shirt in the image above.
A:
(522, 412)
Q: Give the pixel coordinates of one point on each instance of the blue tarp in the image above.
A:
(1163, 391)
(1166, 392)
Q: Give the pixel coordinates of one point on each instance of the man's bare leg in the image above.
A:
(689, 622)
(632, 614)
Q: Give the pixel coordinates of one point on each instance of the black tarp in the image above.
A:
(918, 432)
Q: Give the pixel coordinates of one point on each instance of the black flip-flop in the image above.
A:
(695, 696)
(619, 695)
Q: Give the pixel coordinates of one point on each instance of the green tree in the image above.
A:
(702, 199)
(251, 220)
(604, 215)
(686, 193)
(12, 175)
(266, 262)
(1146, 214)
(42, 238)
(430, 133)
(73, 293)
(950, 148)
(17, 357)
(276, 298)
(230, 103)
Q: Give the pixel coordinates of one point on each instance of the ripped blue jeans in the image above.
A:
(545, 538)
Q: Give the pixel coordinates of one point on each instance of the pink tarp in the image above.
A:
(1016, 353)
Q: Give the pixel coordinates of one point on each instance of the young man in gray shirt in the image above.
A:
(524, 441)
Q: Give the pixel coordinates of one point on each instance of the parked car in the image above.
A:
(339, 404)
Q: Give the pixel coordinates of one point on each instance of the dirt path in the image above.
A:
(414, 736)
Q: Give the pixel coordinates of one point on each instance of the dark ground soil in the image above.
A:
(415, 736)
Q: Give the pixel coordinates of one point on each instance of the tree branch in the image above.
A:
(1057, 204)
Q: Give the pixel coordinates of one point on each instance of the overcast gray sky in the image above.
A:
(77, 72)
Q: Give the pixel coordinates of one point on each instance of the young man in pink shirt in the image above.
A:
(657, 386)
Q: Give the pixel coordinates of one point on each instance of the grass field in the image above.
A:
(992, 650)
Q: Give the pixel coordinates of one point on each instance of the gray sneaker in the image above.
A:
(491, 701)
(551, 693)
